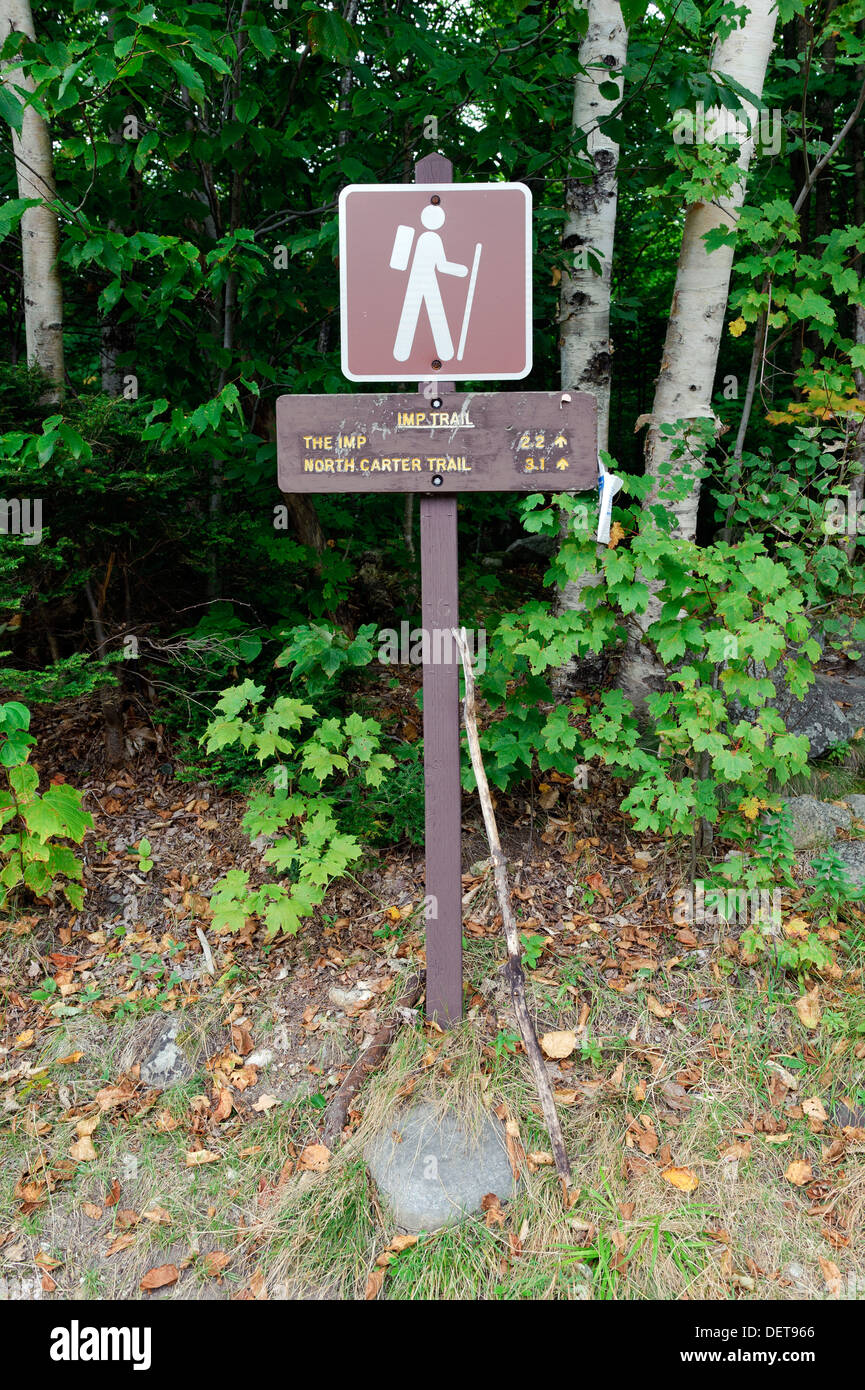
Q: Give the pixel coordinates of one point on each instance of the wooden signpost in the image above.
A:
(440, 443)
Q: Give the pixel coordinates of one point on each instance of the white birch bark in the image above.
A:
(591, 216)
(40, 240)
(690, 358)
(584, 341)
(696, 322)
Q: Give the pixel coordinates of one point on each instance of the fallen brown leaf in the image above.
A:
(657, 1008)
(808, 1008)
(315, 1158)
(197, 1156)
(815, 1109)
(121, 1243)
(832, 1275)
(158, 1215)
(82, 1150)
(160, 1277)
(799, 1172)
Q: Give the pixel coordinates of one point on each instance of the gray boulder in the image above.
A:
(531, 549)
(852, 855)
(817, 714)
(815, 822)
(435, 1171)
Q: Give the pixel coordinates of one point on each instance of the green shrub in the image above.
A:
(33, 823)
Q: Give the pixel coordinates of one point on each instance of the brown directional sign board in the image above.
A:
(513, 441)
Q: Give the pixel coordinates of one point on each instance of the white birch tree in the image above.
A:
(34, 166)
(589, 235)
(690, 357)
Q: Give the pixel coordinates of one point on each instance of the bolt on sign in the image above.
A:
(435, 278)
(436, 287)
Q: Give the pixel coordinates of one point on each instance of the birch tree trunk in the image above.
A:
(40, 240)
(584, 341)
(690, 358)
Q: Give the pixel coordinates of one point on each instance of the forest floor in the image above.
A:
(702, 1100)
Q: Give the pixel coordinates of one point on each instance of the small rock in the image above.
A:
(434, 1172)
(349, 998)
(796, 1274)
(166, 1064)
(531, 548)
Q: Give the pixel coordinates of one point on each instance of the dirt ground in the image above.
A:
(703, 1108)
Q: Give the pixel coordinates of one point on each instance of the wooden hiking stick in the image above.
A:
(514, 969)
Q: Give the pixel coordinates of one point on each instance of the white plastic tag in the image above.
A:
(608, 485)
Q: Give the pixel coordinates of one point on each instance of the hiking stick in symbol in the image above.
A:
(423, 288)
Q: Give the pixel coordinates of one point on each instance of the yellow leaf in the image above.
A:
(750, 807)
(82, 1150)
(815, 1109)
(797, 926)
(832, 1275)
(315, 1158)
(798, 1172)
(681, 1178)
(541, 1159)
(617, 533)
(560, 1044)
(658, 1009)
(737, 327)
(197, 1156)
(808, 1008)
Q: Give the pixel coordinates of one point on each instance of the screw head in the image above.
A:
(437, 481)
(435, 199)
(436, 364)
(436, 404)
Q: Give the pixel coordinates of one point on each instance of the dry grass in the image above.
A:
(650, 1093)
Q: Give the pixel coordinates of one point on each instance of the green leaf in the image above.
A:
(332, 36)
(66, 802)
(12, 112)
